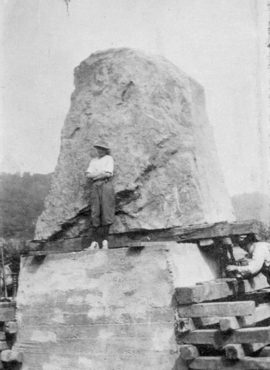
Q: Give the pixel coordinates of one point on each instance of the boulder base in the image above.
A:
(105, 309)
(153, 117)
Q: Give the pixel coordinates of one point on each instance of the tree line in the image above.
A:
(21, 202)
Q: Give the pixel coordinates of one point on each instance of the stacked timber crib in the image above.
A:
(9, 359)
(224, 324)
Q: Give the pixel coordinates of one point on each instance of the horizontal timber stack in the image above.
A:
(224, 324)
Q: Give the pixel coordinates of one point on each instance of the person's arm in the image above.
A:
(106, 172)
(254, 265)
(91, 172)
(107, 169)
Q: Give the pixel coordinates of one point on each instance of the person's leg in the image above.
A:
(95, 214)
(107, 210)
(95, 206)
(107, 204)
(104, 232)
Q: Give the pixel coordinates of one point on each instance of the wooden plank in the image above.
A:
(188, 352)
(219, 340)
(120, 240)
(234, 351)
(220, 229)
(220, 363)
(221, 309)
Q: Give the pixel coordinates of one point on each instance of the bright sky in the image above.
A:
(220, 43)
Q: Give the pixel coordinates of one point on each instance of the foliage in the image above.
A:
(21, 202)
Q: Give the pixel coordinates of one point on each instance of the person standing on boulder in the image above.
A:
(100, 171)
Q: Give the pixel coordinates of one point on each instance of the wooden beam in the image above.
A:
(261, 313)
(2, 335)
(219, 340)
(188, 352)
(7, 311)
(11, 327)
(11, 356)
(200, 293)
(234, 351)
(220, 229)
(217, 289)
(3, 345)
(183, 325)
(221, 309)
(202, 322)
(214, 363)
(265, 352)
(120, 240)
(228, 324)
(250, 348)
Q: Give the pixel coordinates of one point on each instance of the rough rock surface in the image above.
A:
(154, 118)
(105, 309)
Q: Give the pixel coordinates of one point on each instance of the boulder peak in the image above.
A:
(153, 117)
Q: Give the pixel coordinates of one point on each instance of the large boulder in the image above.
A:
(153, 116)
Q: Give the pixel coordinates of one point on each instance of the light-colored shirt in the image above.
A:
(260, 256)
(103, 164)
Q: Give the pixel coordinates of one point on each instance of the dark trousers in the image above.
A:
(102, 207)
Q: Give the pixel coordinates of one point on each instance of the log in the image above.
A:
(218, 339)
(221, 309)
(11, 356)
(11, 327)
(188, 352)
(214, 363)
(234, 351)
